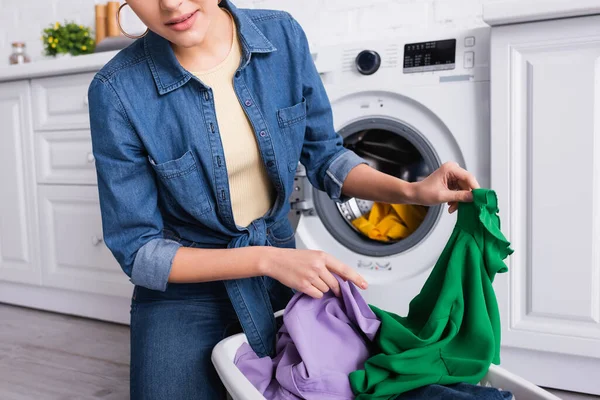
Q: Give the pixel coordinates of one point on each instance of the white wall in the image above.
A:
(325, 21)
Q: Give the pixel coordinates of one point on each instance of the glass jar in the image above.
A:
(18, 55)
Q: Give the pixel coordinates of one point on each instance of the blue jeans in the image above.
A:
(172, 336)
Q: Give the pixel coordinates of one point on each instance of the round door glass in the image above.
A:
(377, 229)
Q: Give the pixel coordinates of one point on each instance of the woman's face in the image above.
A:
(182, 22)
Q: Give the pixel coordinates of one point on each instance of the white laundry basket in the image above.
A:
(240, 388)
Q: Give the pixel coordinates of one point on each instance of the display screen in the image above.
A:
(429, 56)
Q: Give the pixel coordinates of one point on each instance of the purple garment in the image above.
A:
(320, 343)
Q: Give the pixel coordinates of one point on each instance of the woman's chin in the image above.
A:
(186, 39)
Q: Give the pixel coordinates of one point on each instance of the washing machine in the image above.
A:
(406, 105)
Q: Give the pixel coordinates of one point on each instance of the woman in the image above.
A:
(197, 129)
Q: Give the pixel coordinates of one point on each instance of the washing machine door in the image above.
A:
(401, 137)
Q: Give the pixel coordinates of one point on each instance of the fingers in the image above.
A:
(345, 272)
(464, 178)
(453, 206)
(327, 279)
(464, 196)
(312, 292)
(454, 196)
(323, 286)
(460, 182)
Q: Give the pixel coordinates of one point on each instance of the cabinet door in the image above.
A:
(60, 102)
(546, 169)
(65, 157)
(73, 252)
(18, 251)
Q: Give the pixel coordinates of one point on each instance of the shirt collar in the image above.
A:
(168, 73)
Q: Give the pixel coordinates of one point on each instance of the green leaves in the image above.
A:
(67, 38)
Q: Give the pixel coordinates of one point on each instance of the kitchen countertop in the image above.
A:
(519, 11)
(53, 67)
(59, 66)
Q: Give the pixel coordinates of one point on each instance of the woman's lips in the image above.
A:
(183, 23)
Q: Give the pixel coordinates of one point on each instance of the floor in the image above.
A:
(51, 356)
(56, 357)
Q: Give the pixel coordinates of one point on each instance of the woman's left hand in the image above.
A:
(448, 184)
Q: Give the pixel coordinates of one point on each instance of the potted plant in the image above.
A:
(68, 38)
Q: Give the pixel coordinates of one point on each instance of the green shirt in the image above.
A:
(452, 331)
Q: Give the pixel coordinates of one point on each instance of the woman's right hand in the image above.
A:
(308, 271)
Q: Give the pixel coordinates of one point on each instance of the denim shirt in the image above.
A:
(162, 178)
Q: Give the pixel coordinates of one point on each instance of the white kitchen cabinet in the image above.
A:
(545, 84)
(60, 102)
(73, 251)
(65, 157)
(52, 254)
(18, 225)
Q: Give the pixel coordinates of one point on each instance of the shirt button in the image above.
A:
(206, 95)
(212, 127)
(237, 74)
(270, 164)
(248, 103)
(263, 133)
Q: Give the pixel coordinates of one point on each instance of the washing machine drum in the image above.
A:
(395, 149)
(390, 153)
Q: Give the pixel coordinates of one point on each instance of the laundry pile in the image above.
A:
(320, 343)
(342, 348)
(388, 222)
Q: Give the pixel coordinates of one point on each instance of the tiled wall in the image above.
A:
(325, 21)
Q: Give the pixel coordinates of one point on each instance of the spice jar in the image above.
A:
(18, 55)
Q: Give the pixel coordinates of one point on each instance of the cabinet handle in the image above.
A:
(96, 240)
(90, 157)
(85, 100)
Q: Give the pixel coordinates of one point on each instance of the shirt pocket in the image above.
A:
(281, 234)
(292, 124)
(184, 183)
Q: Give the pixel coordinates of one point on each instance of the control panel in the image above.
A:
(381, 265)
(368, 62)
(435, 56)
(469, 55)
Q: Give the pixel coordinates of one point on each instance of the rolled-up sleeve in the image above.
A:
(131, 222)
(324, 156)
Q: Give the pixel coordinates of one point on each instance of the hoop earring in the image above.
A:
(121, 29)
